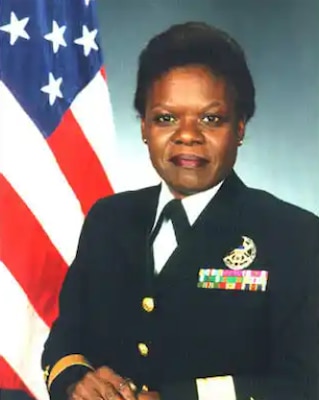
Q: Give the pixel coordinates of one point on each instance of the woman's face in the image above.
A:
(191, 129)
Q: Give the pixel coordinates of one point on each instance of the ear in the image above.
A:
(143, 130)
(241, 127)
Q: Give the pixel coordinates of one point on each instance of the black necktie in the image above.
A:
(175, 212)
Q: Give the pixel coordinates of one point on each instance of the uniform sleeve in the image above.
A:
(294, 332)
(63, 358)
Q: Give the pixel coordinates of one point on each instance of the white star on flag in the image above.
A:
(87, 2)
(87, 40)
(16, 28)
(56, 36)
(53, 89)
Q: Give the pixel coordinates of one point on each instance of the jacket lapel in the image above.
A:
(135, 246)
(213, 235)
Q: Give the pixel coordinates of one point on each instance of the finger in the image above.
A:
(110, 393)
(76, 397)
(109, 375)
(123, 385)
(83, 390)
(107, 393)
(92, 387)
(127, 389)
(86, 389)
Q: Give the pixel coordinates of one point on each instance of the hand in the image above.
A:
(148, 396)
(102, 384)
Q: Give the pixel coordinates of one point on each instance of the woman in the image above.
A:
(211, 296)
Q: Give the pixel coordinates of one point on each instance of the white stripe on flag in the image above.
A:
(22, 351)
(29, 165)
(95, 118)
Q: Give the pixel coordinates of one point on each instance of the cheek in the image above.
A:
(223, 142)
(157, 154)
(223, 150)
(158, 147)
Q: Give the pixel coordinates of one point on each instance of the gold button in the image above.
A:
(148, 304)
(143, 349)
(144, 388)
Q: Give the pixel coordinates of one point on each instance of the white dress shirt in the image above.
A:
(165, 241)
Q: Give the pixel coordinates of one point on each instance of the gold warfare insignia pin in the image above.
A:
(243, 256)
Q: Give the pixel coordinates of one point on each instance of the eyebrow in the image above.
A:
(168, 106)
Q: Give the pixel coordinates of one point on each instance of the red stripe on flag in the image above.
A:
(9, 379)
(103, 72)
(79, 162)
(29, 254)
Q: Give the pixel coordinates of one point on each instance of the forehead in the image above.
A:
(188, 85)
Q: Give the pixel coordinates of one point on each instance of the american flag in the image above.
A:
(57, 153)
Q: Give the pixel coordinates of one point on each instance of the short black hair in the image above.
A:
(200, 44)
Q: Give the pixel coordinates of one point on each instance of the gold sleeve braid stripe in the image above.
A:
(64, 363)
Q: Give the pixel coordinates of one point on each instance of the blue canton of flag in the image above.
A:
(56, 45)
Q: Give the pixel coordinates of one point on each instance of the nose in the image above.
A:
(188, 134)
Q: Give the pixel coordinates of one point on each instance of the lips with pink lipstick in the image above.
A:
(188, 161)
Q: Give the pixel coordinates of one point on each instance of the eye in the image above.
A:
(164, 119)
(213, 119)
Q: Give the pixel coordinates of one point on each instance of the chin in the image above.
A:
(189, 184)
(185, 190)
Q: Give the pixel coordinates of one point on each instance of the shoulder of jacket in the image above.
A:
(265, 203)
(122, 201)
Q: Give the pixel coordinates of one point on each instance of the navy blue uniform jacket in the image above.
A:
(267, 340)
